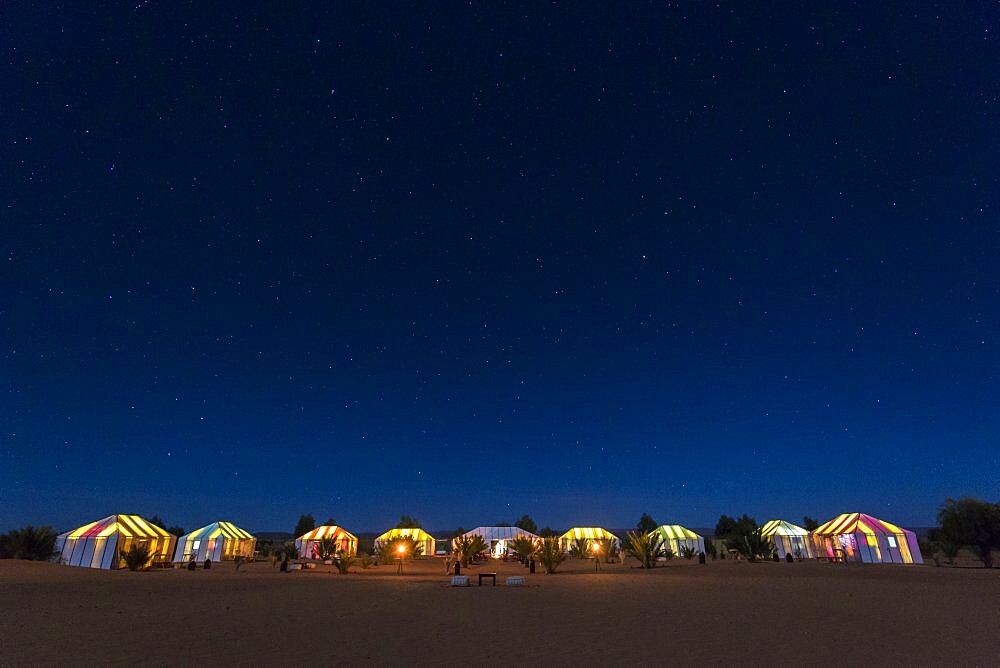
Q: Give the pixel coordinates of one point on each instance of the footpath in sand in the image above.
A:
(719, 612)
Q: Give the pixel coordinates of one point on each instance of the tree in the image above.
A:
(809, 524)
(730, 527)
(646, 524)
(527, 524)
(177, 531)
(156, 521)
(330, 522)
(305, 524)
(546, 532)
(407, 522)
(502, 524)
(971, 522)
(32, 543)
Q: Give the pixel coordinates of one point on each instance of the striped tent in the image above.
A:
(424, 540)
(218, 541)
(788, 538)
(100, 544)
(675, 538)
(308, 543)
(569, 539)
(498, 537)
(866, 539)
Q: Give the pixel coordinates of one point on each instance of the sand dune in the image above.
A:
(720, 612)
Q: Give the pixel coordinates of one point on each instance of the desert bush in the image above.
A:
(949, 551)
(580, 549)
(753, 545)
(524, 547)
(688, 552)
(550, 554)
(343, 561)
(468, 548)
(32, 543)
(646, 548)
(668, 554)
(289, 551)
(137, 556)
(608, 549)
(388, 550)
(326, 548)
(366, 560)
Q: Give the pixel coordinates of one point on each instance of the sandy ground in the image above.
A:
(722, 612)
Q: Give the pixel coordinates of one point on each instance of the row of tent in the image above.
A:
(851, 536)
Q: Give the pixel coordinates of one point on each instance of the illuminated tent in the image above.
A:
(100, 544)
(219, 541)
(675, 538)
(423, 539)
(308, 543)
(498, 537)
(865, 539)
(788, 539)
(568, 539)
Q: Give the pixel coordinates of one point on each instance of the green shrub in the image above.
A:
(646, 548)
(32, 543)
(551, 554)
(137, 556)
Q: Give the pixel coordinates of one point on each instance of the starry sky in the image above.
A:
(474, 260)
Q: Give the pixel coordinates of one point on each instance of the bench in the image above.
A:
(515, 581)
(492, 576)
(460, 581)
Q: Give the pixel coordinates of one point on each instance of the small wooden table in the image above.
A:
(492, 576)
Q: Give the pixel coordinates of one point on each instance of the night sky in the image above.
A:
(468, 262)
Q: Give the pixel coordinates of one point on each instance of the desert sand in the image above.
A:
(721, 612)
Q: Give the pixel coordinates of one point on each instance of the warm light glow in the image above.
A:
(401, 549)
(596, 547)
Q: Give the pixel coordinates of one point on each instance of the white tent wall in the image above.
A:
(789, 544)
(675, 545)
(914, 546)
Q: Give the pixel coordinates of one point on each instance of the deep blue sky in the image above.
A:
(472, 261)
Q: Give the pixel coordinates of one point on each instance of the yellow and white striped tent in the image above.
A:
(788, 538)
(218, 541)
(424, 540)
(675, 537)
(308, 543)
(860, 537)
(569, 539)
(100, 544)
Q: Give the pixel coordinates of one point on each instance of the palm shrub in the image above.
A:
(524, 547)
(688, 552)
(668, 554)
(137, 556)
(608, 549)
(366, 560)
(551, 554)
(388, 550)
(289, 550)
(580, 549)
(467, 547)
(646, 548)
(753, 544)
(343, 561)
(327, 548)
(32, 543)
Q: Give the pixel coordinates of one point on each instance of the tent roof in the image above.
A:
(855, 522)
(132, 526)
(220, 528)
(588, 533)
(415, 533)
(327, 531)
(499, 533)
(782, 528)
(675, 532)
